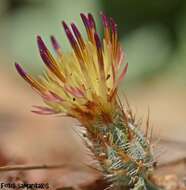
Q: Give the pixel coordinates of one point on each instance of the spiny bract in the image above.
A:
(83, 84)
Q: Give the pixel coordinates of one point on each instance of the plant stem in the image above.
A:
(31, 167)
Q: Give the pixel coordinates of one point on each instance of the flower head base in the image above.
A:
(83, 83)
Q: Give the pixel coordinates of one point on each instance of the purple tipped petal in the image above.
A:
(39, 88)
(85, 20)
(56, 98)
(97, 40)
(78, 35)
(91, 21)
(20, 70)
(105, 20)
(88, 22)
(75, 30)
(48, 58)
(99, 54)
(69, 34)
(55, 44)
(43, 51)
(41, 44)
(43, 110)
(113, 25)
(45, 58)
(65, 25)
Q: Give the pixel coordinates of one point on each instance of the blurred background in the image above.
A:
(153, 34)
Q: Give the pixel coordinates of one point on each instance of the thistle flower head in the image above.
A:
(82, 83)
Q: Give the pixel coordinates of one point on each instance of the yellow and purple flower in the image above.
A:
(82, 83)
